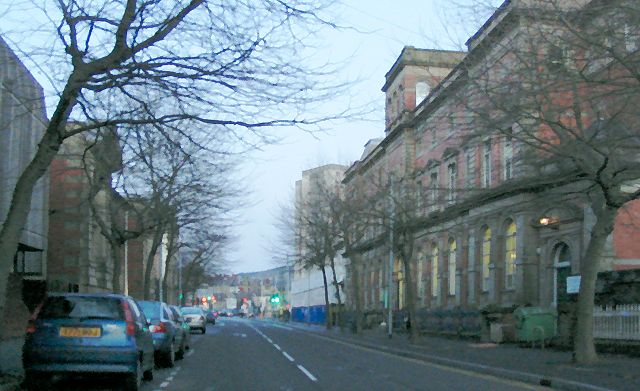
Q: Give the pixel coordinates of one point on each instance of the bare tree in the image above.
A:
(233, 69)
(562, 86)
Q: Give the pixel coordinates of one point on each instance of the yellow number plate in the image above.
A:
(80, 331)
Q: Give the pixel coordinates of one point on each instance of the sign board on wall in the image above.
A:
(573, 284)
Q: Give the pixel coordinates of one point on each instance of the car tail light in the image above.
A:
(128, 317)
(159, 328)
(31, 325)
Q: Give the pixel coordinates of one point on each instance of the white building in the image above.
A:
(307, 285)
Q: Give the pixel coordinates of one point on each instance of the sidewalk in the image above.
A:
(11, 363)
(534, 366)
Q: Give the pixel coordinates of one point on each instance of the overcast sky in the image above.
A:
(382, 29)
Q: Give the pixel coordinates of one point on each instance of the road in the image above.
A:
(246, 354)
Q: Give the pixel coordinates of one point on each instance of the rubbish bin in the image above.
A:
(534, 323)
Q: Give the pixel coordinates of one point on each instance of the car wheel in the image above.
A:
(35, 381)
(170, 357)
(180, 352)
(133, 381)
(148, 374)
(204, 330)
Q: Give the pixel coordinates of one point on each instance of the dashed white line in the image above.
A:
(269, 340)
(276, 346)
(164, 385)
(309, 375)
(287, 356)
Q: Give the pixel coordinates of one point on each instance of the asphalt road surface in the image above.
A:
(247, 355)
(244, 354)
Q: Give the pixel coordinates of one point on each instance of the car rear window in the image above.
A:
(151, 309)
(81, 307)
(191, 310)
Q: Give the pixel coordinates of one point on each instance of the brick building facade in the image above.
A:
(491, 236)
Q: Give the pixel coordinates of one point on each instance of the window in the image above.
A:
(452, 267)
(420, 280)
(434, 271)
(452, 176)
(434, 140)
(486, 164)
(452, 124)
(510, 254)
(422, 91)
(471, 167)
(631, 37)
(433, 193)
(486, 258)
(507, 158)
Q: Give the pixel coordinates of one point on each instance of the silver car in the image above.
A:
(195, 318)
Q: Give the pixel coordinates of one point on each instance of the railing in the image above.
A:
(619, 322)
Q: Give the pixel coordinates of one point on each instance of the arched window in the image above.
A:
(486, 257)
(452, 267)
(510, 254)
(434, 271)
(422, 91)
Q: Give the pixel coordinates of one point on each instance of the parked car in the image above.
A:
(211, 316)
(184, 326)
(167, 335)
(195, 317)
(86, 334)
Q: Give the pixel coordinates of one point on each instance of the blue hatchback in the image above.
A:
(76, 333)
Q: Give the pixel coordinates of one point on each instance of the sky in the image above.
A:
(377, 31)
(381, 29)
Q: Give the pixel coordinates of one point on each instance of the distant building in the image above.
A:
(22, 123)
(307, 285)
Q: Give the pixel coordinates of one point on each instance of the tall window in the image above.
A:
(452, 177)
(434, 137)
(434, 271)
(471, 167)
(433, 191)
(420, 280)
(486, 164)
(486, 258)
(507, 158)
(452, 267)
(510, 254)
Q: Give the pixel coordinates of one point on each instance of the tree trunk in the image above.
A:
(148, 267)
(355, 281)
(165, 280)
(337, 289)
(116, 250)
(584, 351)
(326, 298)
(410, 293)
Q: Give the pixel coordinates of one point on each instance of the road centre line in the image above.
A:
(309, 375)
(276, 346)
(288, 357)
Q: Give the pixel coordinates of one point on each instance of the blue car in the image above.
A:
(86, 334)
(166, 330)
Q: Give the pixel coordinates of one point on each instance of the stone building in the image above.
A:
(486, 242)
(22, 123)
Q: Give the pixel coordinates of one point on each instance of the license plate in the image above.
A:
(92, 332)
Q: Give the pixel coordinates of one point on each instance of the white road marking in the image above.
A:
(269, 339)
(276, 346)
(164, 385)
(309, 375)
(170, 378)
(191, 351)
(287, 356)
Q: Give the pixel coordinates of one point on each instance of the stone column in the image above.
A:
(471, 267)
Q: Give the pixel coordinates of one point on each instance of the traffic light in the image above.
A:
(275, 298)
